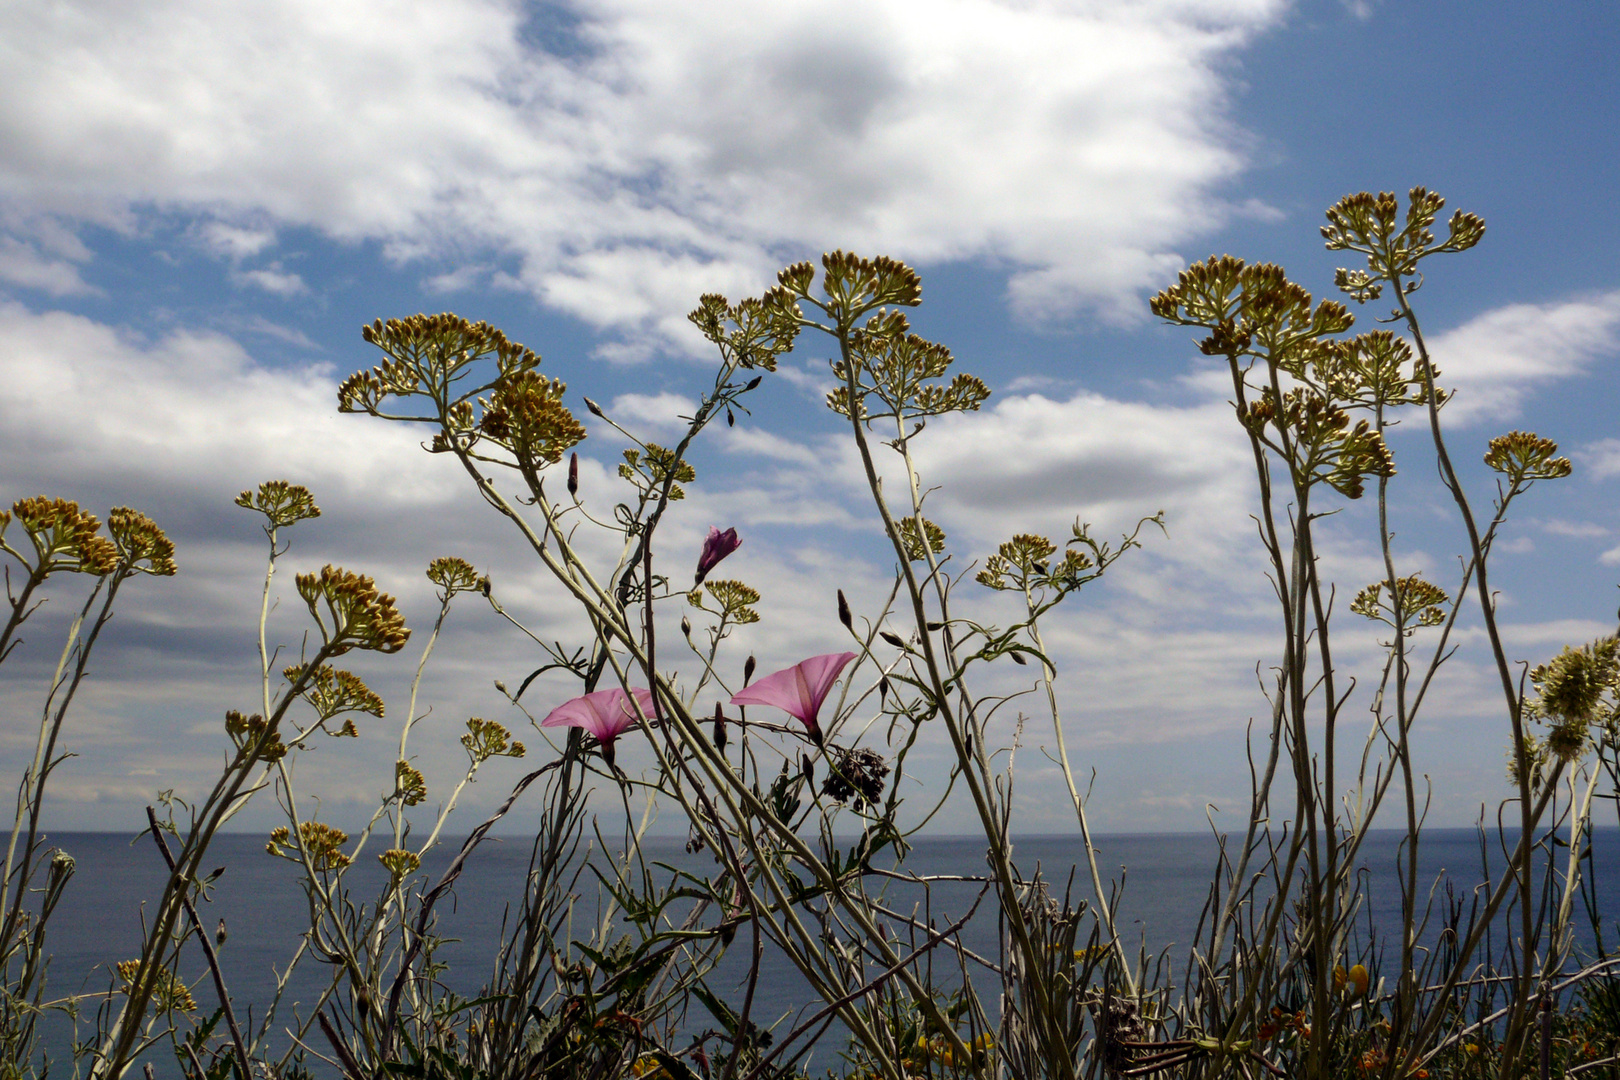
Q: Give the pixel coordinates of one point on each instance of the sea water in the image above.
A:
(1162, 882)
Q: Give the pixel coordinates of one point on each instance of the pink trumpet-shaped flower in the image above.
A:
(716, 547)
(606, 714)
(798, 690)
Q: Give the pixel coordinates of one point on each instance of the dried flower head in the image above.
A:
(919, 536)
(526, 416)
(1422, 603)
(760, 330)
(734, 599)
(322, 845)
(281, 503)
(1522, 456)
(169, 992)
(453, 576)
(854, 286)
(1372, 225)
(857, 774)
(64, 537)
(1571, 686)
(361, 616)
(252, 738)
(410, 787)
(657, 467)
(427, 354)
(142, 546)
(893, 368)
(399, 863)
(486, 739)
(331, 691)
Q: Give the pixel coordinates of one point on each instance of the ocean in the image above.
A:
(1165, 882)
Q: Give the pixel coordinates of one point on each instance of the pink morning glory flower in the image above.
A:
(606, 714)
(798, 690)
(716, 547)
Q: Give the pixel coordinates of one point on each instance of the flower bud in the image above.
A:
(686, 627)
(596, 410)
(573, 475)
(843, 612)
(748, 670)
(755, 381)
(719, 727)
(893, 639)
(1018, 658)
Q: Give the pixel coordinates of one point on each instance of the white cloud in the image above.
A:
(234, 241)
(1079, 145)
(23, 264)
(272, 279)
(655, 413)
(1601, 458)
(190, 413)
(1580, 530)
(1497, 359)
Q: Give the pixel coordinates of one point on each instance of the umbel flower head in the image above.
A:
(63, 536)
(798, 690)
(361, 616)
(606, 714)
(716, 547)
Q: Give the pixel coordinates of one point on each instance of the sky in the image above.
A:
(201, 204)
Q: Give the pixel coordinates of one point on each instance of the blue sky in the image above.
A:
(200, 205)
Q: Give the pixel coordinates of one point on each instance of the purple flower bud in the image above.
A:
(716, 547)
(573, 475)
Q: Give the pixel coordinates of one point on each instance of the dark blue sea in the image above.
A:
(1165, 882)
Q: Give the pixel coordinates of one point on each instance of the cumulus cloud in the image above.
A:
(272, 279)
(625, 169)
(1601, 458)
(23, 264)
(1497, 359)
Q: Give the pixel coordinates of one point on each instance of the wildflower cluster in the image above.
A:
(1522, 456)
(1416, 603)
(399, 863)
(142, 546)
(1576, 694)
(331, 691)
(1372, 225)
(410, 787)
(320, 843)
(361, 617)
(453, 575)
(169, 993)
(64, 538)
(281, 503)
(856, 776)
(654, 468)
(487, 738)
(734, 601)
(253, 738)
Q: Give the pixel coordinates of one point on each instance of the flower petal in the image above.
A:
(798, 690)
